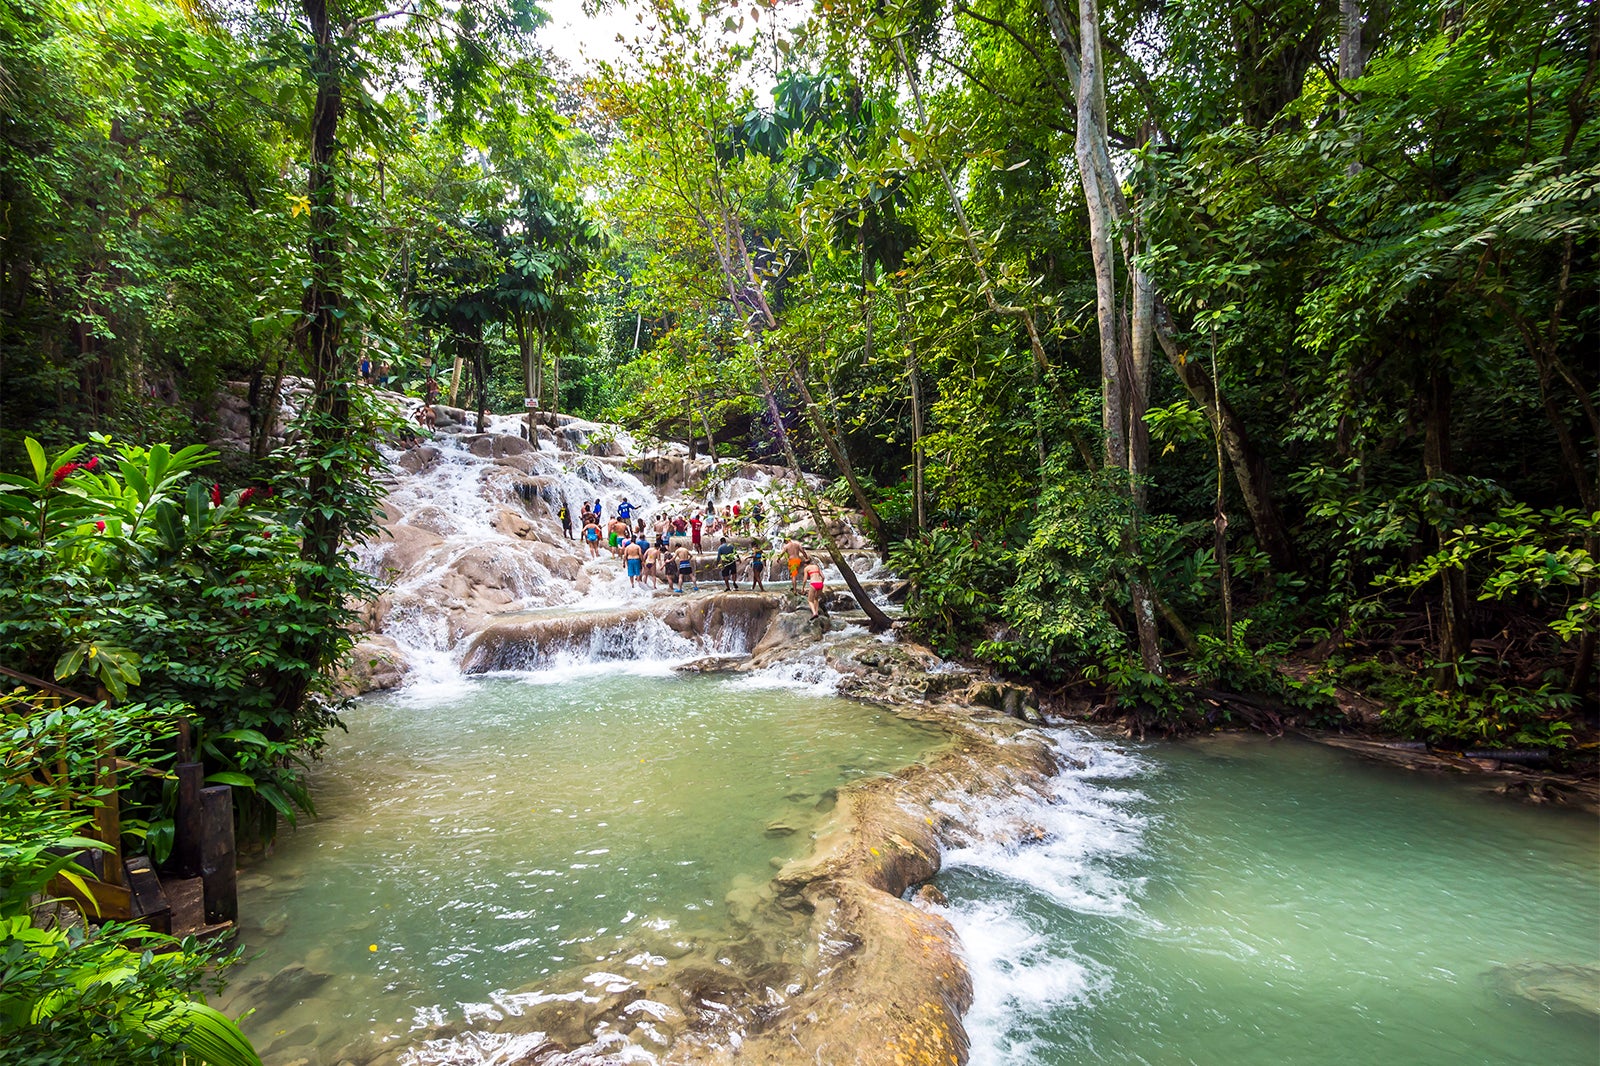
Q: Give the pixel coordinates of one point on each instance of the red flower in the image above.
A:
(62, 473)
(216, 495)
(100, 527)
(246, 496)
(94, 461)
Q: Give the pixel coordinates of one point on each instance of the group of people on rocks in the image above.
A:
(668, 559)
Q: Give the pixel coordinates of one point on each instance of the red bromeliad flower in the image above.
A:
(216, 495)
(100, 526)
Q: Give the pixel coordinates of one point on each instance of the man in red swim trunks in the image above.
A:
(797, 558)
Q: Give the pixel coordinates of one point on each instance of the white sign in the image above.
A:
(530, 402)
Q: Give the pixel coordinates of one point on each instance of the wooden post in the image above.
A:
(108, 818)
(188, 822)
(218, 862)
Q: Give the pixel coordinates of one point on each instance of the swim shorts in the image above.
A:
(794, 567)
(635, 567)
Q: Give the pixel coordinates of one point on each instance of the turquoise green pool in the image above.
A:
(1243, 901)
(495, 843)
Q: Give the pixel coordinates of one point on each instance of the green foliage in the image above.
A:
(1255, 670)
(1061, 609)
(71, 995)
(1525, 554)
(125, 569)
(956, 584)
(1492, 714)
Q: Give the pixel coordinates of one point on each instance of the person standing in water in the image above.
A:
(758, 565)
(797, 558)
(633, 555)
(591, 538)
(652, 565)
(814, 587)
(728, 559)
(685, 566)
(565, 514)
(695, 525)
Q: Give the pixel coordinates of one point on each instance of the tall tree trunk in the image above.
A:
(270, 402)
(322, 523)
(688, 421)
(866, 298)
(480, 370)
(1250, 469)
(555, 383)
(1352, 41)
(530, 375)
(877, 621)
(1455, 634)
(836, 451)
(743, 287)
(914, 379)
(1249, 466)
(711, 441)
(1121, 391)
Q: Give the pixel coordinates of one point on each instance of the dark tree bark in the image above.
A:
(1455, 632)
(322, 527)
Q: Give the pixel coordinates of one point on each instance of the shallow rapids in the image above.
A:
(1244, 901)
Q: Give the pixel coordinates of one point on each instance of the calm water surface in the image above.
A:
(525, 836)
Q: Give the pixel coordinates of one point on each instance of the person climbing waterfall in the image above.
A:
(625, 510)
(728, 557)
(652, 566)
(667, 564)
(758, 565)
(797, 559)
(591, 537)
(686, 567)
(565, 514)
(814, 587)
(633, 555)
(696, 523)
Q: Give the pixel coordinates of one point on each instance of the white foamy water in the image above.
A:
(1062, 844)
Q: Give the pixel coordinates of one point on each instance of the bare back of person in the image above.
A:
(797, 557)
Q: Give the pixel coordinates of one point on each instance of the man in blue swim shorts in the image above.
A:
(633, 554)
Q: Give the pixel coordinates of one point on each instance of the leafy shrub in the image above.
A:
(74, 996)
(955, 584)
(1488, 714)
(1068, 580)
(125, 570)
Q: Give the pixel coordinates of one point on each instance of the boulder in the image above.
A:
(1018, 701)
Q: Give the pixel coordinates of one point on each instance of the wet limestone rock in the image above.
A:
(1560, 987)
(376, 663)
(1018, 701)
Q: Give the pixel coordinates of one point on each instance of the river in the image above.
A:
(489, 845)
(1247, 901)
